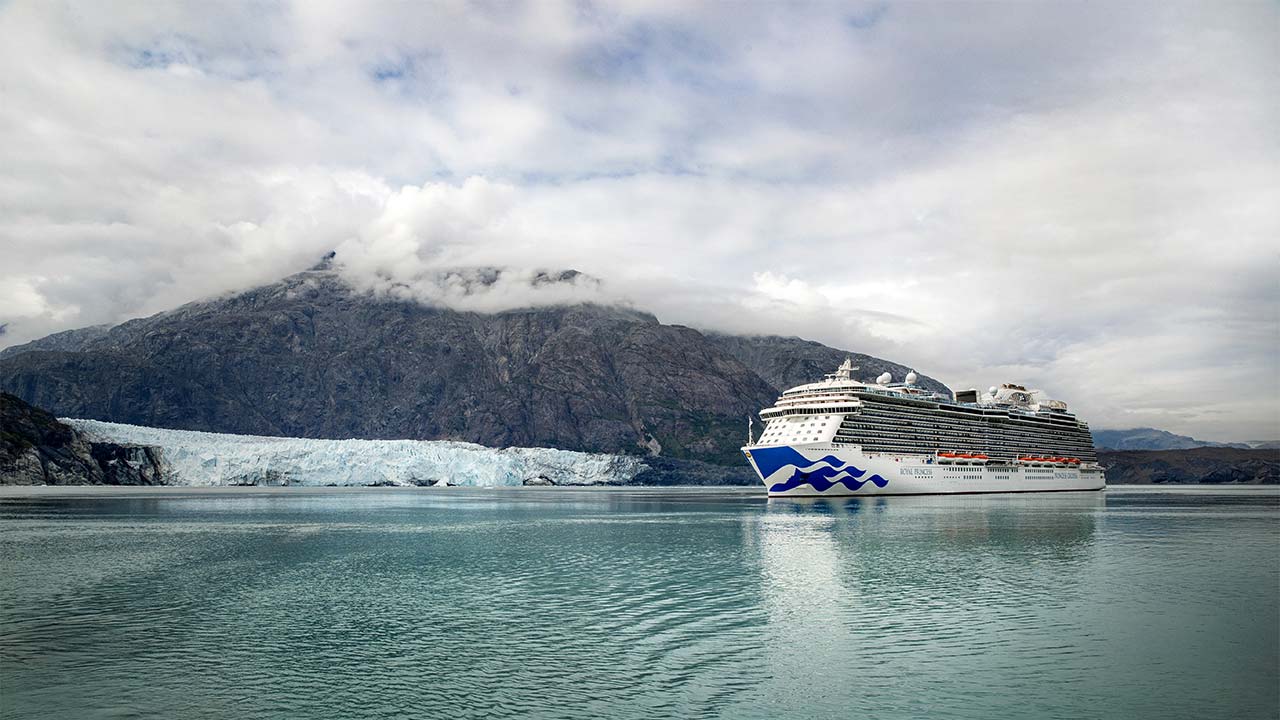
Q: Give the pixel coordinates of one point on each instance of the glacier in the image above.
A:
(191, 457)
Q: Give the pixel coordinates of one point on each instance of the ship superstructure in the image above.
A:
(841, 436)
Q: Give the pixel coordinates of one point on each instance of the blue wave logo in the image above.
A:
(822, 474)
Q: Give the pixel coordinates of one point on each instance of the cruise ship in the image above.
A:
(844, 437)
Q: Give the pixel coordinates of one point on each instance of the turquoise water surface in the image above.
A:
(637, 603)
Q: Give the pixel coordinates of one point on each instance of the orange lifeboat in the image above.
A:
(946, 454)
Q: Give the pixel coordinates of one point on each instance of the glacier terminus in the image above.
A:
(203, 458)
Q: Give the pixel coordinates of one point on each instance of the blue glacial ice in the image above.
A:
(202, 458)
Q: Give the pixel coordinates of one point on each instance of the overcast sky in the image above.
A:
(1083, 196)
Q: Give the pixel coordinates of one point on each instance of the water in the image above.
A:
(381, 603)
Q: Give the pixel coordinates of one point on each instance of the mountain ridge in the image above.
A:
(1146, 438)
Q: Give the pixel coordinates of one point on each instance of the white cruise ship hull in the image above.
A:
(825, 469)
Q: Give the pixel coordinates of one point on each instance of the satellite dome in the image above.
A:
(992, 390)
(885, 378)
(911, 378)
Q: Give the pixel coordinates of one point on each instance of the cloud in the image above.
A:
(1081, 197)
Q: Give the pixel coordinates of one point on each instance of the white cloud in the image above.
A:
(1082, 197)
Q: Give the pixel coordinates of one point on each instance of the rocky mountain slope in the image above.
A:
(1151, 439)
(785, 362)
(1197, 465)
(307, 357)
(36, 449)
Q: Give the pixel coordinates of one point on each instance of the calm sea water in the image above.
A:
(380, 603)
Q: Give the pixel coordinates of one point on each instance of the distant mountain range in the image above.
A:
(1153, 439)
(1203, 465)
(309, 357)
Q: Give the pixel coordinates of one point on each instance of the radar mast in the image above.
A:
(845, 371)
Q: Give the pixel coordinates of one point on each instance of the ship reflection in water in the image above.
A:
(1020, 522)
(963, 594)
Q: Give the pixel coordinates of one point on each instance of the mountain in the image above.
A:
(1196, 465)
(785, 362)
(1151, 439)
(65, 340)
(37, 449)
(309, 357)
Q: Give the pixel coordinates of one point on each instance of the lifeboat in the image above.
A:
(946, 454)
(964, 456)
(979, 456)
(1073, 461)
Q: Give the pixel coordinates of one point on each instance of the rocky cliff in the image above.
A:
(1196, 465)
(36, 449)
(308, 357)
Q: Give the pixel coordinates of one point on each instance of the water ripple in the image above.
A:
(629, 604)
